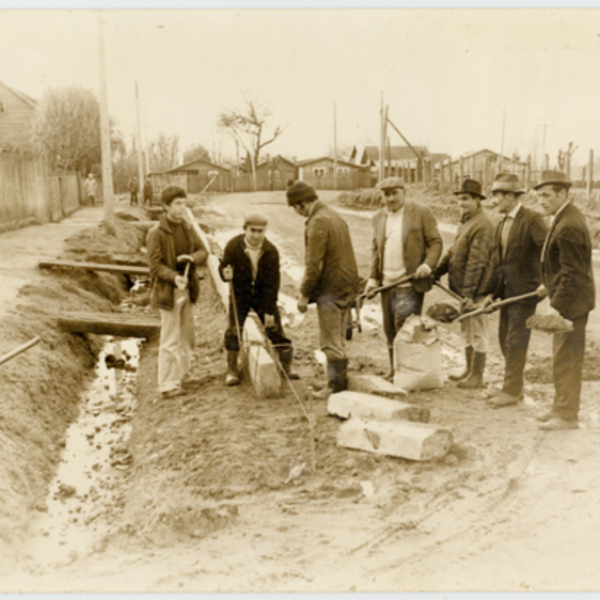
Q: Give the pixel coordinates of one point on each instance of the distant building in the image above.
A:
(274, 173)
(17, 112)
(484, 165)
(318, 172)
(200, 172)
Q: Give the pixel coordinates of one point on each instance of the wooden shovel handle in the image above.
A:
(496, 305)
(449, 291)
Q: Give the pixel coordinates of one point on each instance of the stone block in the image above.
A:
(349, 404)
(372, 384)
(403, 439)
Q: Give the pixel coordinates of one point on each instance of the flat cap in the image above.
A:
(255, 219)
(391, 183)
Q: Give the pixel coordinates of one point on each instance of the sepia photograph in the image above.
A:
(299, 300)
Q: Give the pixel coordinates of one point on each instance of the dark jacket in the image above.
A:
(518, 271)
(148, 190)
(422, 242)
(466, 261)
(262, 294)
(329, 256)
(567, 269)
(163, 263)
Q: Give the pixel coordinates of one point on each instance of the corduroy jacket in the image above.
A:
(329, 256)
(567, 269)
(466, 261)
(422, 242)
(163, 263)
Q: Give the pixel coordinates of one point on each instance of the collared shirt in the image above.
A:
(507, 224)
(393, 252)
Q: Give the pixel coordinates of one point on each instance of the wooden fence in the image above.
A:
(28, 194)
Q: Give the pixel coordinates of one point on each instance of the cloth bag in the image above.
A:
(417, 356)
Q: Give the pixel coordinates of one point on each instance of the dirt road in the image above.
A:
(513, 508)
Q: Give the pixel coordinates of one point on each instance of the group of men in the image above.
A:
(521, 256)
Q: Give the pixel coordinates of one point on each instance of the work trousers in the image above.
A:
(568, 353)
(333, 315)
(514, 341)
(176, 341)
(475, 330)
(397, 305)
(276, 335)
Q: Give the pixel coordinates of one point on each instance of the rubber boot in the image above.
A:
(341, 375)
(475, 379)
(467, 371)
(232, 376)
(286, 356)
(389, 376)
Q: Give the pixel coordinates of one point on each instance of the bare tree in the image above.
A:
(67, 128)
(163, 152)
(248, 126)
(196, 152)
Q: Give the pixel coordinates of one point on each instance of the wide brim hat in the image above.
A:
(553, 178)
(391, 183)
(470, 186)
(507, 182)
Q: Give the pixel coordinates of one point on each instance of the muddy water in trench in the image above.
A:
(85, 490)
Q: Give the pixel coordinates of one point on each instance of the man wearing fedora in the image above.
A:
(406, 241)
(465, 264)
(514, 270)
(568, 279)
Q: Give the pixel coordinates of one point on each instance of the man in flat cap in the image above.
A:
(330, 278)
(406, 241)
(514, 270)
(251, 263)
(465, 264)
(568, 278)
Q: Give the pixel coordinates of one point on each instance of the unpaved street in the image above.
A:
(514, 508)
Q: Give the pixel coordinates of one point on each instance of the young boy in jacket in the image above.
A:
(172, 245)
(251, 263)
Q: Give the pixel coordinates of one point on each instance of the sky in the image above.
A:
(455, 80)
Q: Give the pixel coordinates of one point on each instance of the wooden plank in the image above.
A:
(121, 324)
(73, 264)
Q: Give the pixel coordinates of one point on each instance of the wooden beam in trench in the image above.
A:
(119, 324)
(108, 268)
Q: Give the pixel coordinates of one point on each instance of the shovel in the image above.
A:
(383, 288)
(186, 272)
(496, 305)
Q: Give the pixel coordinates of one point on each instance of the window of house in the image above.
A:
(319, 172)
(276, 174)
(343, 171)
(213, 173)
(1, 107)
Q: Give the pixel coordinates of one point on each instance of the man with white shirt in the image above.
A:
(514, 271)
(568, 278)
(406, 241)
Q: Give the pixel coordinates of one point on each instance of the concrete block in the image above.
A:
(403, 439)
(372, 384)
(349, 404)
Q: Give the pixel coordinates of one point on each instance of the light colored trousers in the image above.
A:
(476, 331)
(176, 341)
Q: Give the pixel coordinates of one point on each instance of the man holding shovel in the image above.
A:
(465, 264)
(330, 278)
(406, 248)
(174, 250)
(251, 264)
(568, 279)
(514, 271)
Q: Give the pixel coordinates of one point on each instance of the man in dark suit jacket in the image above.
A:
(514, 270)
(406, 241)
(568, 278)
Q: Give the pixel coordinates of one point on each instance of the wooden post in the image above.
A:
(546, 162)
(590, 175)
(334, 149)
(462, 170)
(382, 126)
(473, 167)
(441, 163)
(139, 146)
(107, 180)
(389, 156)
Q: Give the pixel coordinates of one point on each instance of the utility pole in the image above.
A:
(107, 180)
(501, 161)
(382, 132)
(334, 148)
(590, 175)
(139, 145)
